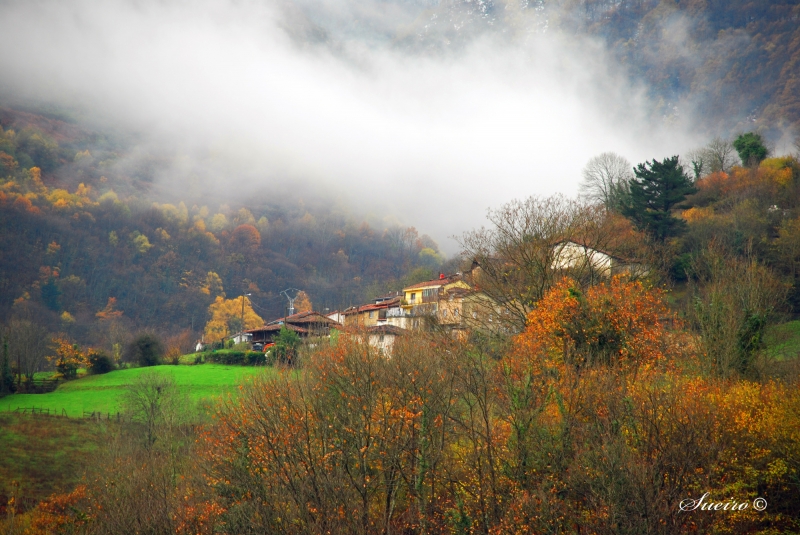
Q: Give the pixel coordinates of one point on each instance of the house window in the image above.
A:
(371, 314)
(413, 297)
(455, 312)
(474, 315)
(491, 318)
(444, 313)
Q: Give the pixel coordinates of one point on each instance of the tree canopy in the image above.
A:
(656, 189)
(751, 148)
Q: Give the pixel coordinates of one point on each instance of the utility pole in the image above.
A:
(241, 337)
(291, 299)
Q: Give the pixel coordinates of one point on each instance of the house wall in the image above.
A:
(570, 255)
(338, 317)
(414, 297)
(362, 319)
(451, 311)
(482, 313)
(384, 342)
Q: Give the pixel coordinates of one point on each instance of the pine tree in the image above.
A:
(656, 189)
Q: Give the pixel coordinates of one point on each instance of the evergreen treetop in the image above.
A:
(655, 190)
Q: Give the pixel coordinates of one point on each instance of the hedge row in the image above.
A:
(231, 356)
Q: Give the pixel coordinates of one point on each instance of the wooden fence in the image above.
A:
(36, 386)
(93, 415)
(40, 410)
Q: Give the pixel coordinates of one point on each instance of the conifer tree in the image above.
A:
(655, 190)
(6, 377)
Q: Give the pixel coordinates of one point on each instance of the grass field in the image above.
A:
(46, 455)
(101, 393)
(43, 455)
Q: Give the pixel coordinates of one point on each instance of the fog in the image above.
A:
(373, 102)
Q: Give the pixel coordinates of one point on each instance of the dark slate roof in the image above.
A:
(274, 327)
(387, 329)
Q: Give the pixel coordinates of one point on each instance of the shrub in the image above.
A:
(230, 356)
(227, 356)
(100, 363)
(286, 345)
(255, 358)
(146, 349)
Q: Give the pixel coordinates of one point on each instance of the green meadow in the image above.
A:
(102, 393)
(42, 455)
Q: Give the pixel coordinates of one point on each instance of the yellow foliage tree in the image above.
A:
(226, 318)
(213, 285)
(302, 303)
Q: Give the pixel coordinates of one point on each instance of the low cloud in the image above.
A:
(342, 100)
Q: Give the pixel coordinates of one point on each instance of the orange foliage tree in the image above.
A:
(68, 358)
(245, 238)
(619, 323)
(62, 513)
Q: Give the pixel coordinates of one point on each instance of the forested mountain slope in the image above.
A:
(728, 66)
(84, 240)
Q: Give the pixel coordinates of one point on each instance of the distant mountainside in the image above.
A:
(734, 64)
(730, 66)
(83, 239)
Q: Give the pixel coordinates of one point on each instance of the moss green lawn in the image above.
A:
(101, 393)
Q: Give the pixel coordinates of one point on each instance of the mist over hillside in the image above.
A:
(402, 108)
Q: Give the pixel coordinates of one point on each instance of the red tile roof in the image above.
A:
(432, 283)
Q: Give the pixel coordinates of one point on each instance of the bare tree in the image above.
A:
(28, 345)
(153, 401)
(606, 178)
(697, 164)
(519, 258)
(142, 477)
(721, 155)
(733, 303)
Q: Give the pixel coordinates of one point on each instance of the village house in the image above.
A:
(462, 310)
(305, 324)
(421, 300)
(372, 314)
(383, 337)
(570, 255)
(337, 316)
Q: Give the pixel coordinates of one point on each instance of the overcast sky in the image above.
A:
(332, 97)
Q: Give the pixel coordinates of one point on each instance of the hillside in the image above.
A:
(82, 233)
(724, 66)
